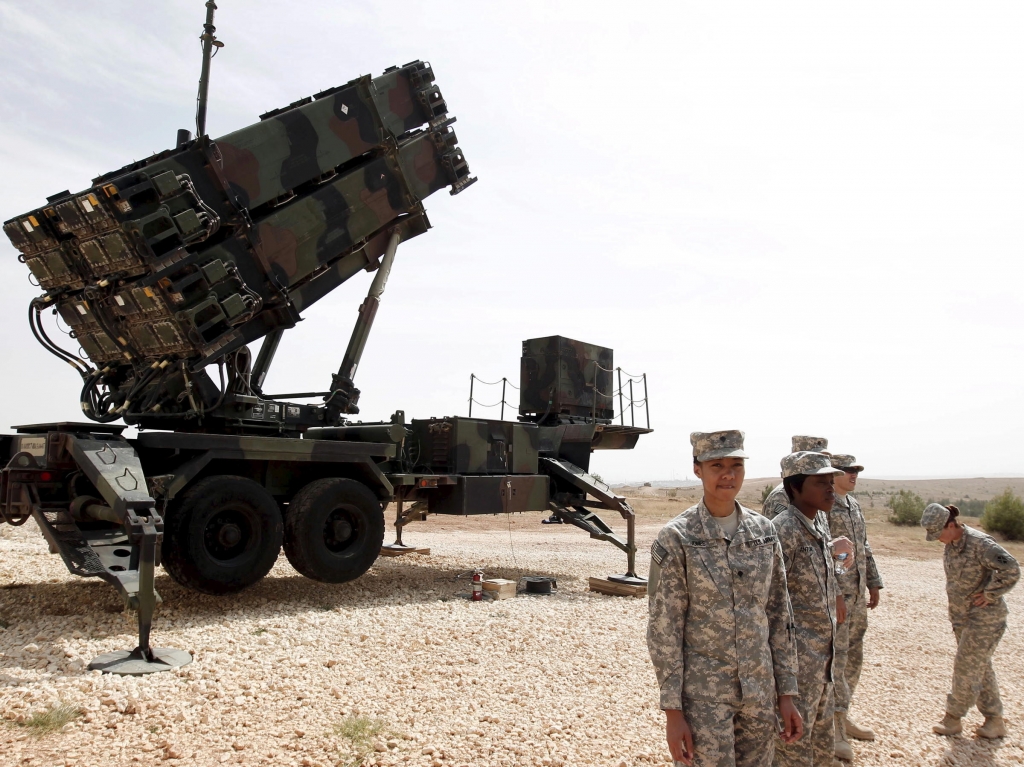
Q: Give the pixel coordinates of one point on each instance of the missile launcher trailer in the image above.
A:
(167, 269)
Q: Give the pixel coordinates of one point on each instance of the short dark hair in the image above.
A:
(796, 482)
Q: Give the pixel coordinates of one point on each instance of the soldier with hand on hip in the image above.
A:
(720, 630)
(978, 573)
(808, 551)
(847, 519)
(777, 501)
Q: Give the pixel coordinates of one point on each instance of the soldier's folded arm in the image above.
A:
(1005, 572)
(667, 619)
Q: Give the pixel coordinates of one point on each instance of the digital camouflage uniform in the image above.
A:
(720, 634)
(811, 578)
(976, 563)
(847, 519)
(777, 500)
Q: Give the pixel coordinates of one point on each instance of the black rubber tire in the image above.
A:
(312, 541)
(223, 536)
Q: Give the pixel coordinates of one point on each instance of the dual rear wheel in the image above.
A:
(226, 532)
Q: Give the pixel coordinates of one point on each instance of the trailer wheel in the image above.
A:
(223, 537)
(333, 530)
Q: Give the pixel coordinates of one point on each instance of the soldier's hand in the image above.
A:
(792, 722)
(679, 736)
(980, 600)
(840, 609)
(874, 594)
(843, 545)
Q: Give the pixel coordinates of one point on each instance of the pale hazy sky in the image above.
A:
(794, 217)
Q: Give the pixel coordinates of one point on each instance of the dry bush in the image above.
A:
(53, 719)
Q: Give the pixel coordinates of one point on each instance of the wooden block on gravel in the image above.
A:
(605, 586)
(501, 588)
(397, 551)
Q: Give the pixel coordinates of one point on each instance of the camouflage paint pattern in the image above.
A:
(194, 252)
(715, 635)
(559, 375)
(313, 137)
(491, 495)
(456, 445)
(977, 564)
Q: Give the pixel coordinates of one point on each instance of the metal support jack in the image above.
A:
(402, 518)
(143, 659)
(575, 510)
(113, 467)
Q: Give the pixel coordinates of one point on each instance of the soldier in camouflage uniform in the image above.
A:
(978, 573)
(846, 519)
(721, 627)
(777, 500)
(808, 551)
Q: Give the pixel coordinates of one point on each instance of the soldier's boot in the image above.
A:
(994, 727)
(856, 731)
(950, 725)
(843, 749)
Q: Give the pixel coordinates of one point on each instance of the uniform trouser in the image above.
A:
(816, 748)
(974, 680)
(724, 735)
(850, 650)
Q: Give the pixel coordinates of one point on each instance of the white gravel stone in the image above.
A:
(553, 681)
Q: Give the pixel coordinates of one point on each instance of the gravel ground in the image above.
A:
(559, 680)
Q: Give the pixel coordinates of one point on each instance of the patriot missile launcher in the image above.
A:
(165, 272)
(170, 267)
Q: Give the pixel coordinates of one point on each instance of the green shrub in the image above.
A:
(1005, 514)
(969, 507)
(906, 507)
(765, 492)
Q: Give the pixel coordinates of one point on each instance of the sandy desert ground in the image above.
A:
(400, 664)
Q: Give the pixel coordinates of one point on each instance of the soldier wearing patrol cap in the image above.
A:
(808, 551)
(979, 572)
(720, 627)
(777, 500)
(847, 519)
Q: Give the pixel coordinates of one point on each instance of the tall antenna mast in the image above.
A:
(209, 43)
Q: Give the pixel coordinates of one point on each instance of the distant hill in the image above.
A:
(872, 493)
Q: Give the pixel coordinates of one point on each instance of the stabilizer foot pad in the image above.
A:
(616, 588)
(134, 664)
(393, 550)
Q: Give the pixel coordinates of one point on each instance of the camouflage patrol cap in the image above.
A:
(717, 444)
(813, 444)
(933, 520)
(807, 462)
(842, 461)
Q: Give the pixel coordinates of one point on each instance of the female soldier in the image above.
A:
(720, 627)
(978, 573)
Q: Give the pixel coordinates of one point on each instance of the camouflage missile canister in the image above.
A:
(176, 261)
(560, 376)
